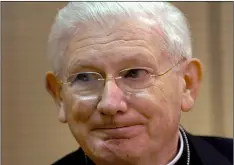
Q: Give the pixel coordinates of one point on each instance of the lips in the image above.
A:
(125, 132)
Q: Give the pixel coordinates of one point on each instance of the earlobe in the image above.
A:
(187, 101)
(54, 87)
(61, 113)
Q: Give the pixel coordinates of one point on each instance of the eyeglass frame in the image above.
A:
(119, 77)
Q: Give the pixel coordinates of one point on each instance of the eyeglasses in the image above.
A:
(130, 80)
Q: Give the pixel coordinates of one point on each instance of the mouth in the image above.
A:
(118, 133)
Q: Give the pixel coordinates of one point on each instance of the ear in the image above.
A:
(53, 86)
(192, 77)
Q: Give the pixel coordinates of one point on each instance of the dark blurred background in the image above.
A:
(31, 133)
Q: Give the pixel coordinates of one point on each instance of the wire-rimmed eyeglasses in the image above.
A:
(130, 80)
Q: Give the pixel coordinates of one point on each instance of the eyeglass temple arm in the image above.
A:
(181, 59)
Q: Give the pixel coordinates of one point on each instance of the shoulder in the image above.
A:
(223, 145)
(72, 158)
(220, 142)
(212, 149)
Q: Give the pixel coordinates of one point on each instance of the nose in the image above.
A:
(112, 100)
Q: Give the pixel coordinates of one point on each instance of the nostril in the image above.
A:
(111, 102)
(102, 113)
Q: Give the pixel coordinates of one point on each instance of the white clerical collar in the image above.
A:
(179, 154)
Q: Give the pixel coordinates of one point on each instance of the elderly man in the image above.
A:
(122, 74)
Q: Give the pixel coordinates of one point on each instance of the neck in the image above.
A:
(179, 151)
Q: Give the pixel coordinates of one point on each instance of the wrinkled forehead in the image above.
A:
(142, 29)
(127, 39)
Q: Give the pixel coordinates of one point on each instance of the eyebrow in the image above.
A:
(78, 63)
(90, 62)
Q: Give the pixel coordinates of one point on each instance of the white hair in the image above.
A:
(168, 18)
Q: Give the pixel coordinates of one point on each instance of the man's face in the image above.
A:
(117, 125)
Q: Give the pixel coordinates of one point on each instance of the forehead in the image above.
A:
(128, 41)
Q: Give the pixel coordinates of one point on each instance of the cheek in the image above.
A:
(146, 104)
(78, 111)
(156, 101)
(160, 104)
(170, 91)
(80, 108)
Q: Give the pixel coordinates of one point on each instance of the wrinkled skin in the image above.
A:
(117, 127)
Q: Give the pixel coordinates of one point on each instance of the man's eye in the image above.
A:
(83, 77)
(136, 73)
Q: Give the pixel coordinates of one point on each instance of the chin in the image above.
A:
(123, 150)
